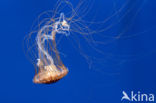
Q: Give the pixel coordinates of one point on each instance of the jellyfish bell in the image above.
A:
(51, 68)
(50, 74)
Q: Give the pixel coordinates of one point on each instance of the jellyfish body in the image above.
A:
(51, 68)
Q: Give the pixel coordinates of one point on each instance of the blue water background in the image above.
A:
(132, 66)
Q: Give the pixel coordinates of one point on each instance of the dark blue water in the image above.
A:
(127, 64)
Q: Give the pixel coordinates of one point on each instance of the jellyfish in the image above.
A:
(42, 47)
